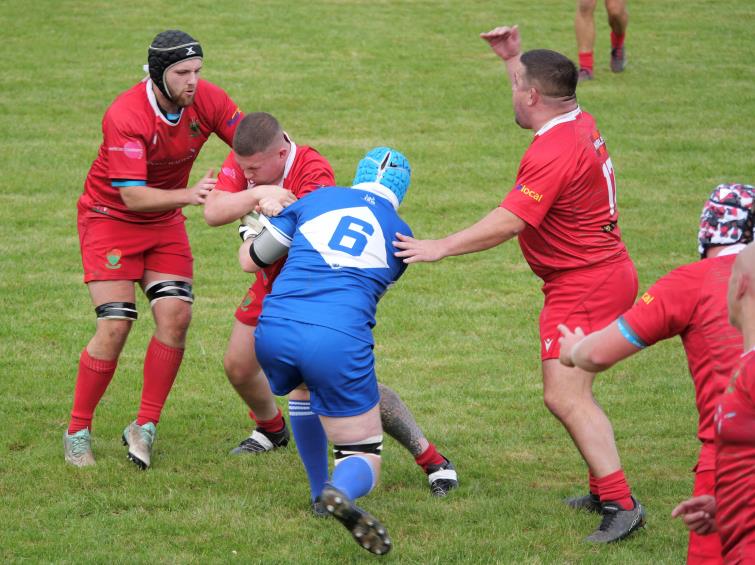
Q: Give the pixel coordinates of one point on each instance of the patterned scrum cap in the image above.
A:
(168, 48)
(727, 216)
(385, 166)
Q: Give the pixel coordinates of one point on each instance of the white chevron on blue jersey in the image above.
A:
(348, 229)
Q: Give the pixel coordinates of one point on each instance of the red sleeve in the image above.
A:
(126, 149)
(314, 172)
(224, 111)
(231, 177)
(541, 177)
(667, 308)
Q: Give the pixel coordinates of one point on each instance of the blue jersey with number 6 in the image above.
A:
(340, 259)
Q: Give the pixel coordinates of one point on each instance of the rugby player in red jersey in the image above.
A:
(563, 211)
(264, 159)
(732, 511)
(131, 230)
(690, 302)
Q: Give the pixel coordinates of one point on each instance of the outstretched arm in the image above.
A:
(597, 351)
(149, 199)
(498, 226)
(506, 43)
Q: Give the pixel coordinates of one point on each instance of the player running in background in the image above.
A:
(690, 302)
(316, 326)
(131, 230)
(584, 26)
(267, 167)
(732, 511)
(563, 210)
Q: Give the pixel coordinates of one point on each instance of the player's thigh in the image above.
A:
(278, 346)
(561, 382)
(240, 355)
(250, 308)
(112, 250)
(170, 253)
(352, 429)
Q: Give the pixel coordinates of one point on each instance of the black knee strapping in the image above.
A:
(169, 289)
(373, 445)
(117, 311)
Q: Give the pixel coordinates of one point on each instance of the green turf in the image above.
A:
(457, 340)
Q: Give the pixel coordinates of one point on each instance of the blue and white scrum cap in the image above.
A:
(167, 49)
(386, 167)
(727, 216)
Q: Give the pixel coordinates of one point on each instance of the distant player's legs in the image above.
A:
(584, 27)
(618, 19)
(97, 365)
(399, 423)
(357, 442)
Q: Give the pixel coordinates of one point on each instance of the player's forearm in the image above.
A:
(245, 258)
(149, 199)
(511, 66)
(498, 226)
(587, 356)
(224, 207)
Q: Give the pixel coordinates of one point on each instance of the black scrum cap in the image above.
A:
(167, 49)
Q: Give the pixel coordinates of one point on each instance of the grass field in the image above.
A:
(458, 339)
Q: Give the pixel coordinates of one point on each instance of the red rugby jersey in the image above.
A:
(690, 302)
(735, 464)
(139, 143)
(305, 170)
(566, 193)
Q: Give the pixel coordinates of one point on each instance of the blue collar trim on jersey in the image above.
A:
(380, 190)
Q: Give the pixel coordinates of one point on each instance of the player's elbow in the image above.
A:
(212, 217)
(245, 259)
(132, 198)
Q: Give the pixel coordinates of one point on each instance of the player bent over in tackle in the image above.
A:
(131, 230)
(266, 166)
(316, 326)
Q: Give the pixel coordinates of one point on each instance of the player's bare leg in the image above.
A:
(568, 395)
(399, 423)
(618, 19)
(584, 28)
(357, 442)
(96, 366)
(172, 315)
(246, 377)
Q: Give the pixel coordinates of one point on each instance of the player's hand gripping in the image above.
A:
(698, 514)
(198, 193)
(568, 340)
(504, 41)
(418, 250)
(273, 199)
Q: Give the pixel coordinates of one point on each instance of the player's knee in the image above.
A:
(560, 405)
(237, 370)
(615, 8)
(586, 7)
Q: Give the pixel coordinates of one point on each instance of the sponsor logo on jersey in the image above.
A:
(230, 172)
(527, 191)
(247, 301)
(132, 149)
(599, 143)
(234, 118)
(113, 259)
(548, 342)
(647, 298)
(369, 199)
(194, 127)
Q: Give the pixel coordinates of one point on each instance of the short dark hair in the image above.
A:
(552, 73)
(255, 133)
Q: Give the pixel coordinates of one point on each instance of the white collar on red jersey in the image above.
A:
(568, 117)
(153, 102)
(731, 249)
(290, 158)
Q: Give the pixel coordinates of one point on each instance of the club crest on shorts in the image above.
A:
(113, 259)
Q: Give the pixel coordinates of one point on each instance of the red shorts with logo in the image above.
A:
(116, 250)
(249, 310)
(704, 550)
(589, 298)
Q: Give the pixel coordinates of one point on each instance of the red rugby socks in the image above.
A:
(614, 487)
(617, 40)
(273, 425)
(429, 456)
(160, 369)
(594, 488)
(92, 381)
(586, 60)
